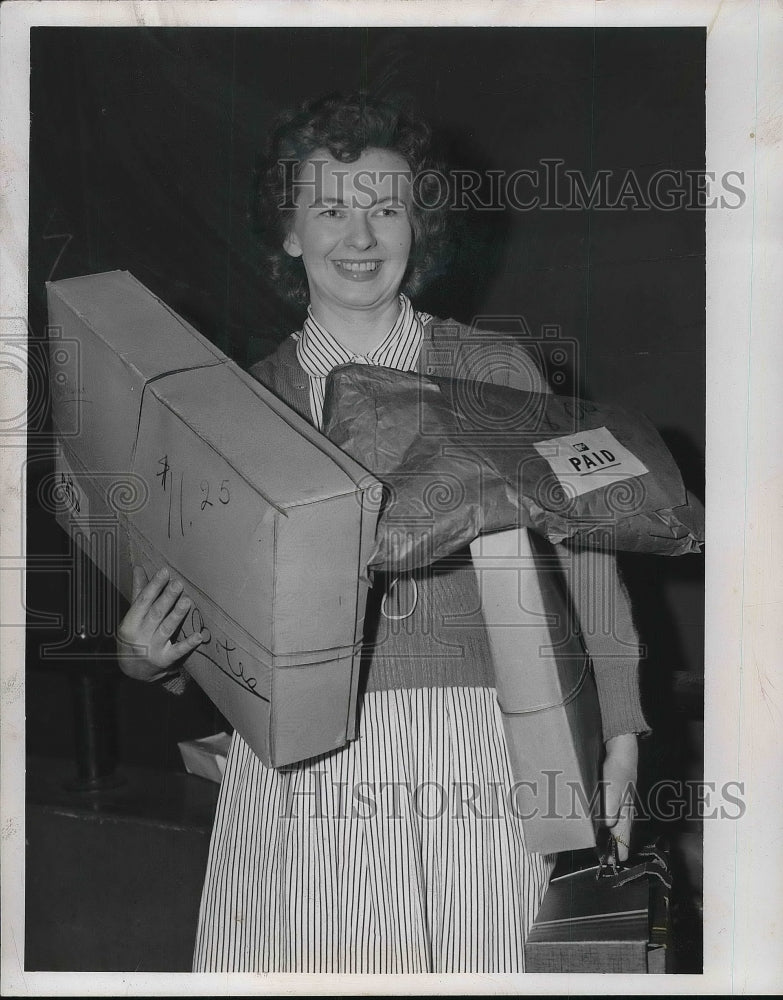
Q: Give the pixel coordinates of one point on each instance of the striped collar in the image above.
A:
(318, 352)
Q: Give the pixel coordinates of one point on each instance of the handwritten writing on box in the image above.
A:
(218, 647)
(67, 492)
(185, 495)
(206, 520)
(220, 650)
(207, 494)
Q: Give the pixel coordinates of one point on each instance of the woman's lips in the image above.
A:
(358, 270)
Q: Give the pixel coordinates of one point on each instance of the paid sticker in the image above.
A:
(589, 460)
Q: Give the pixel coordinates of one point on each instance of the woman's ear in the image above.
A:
(292, 246)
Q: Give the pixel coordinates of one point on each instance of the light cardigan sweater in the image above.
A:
(426, 629)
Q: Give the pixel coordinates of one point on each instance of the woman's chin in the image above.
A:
(364, 295)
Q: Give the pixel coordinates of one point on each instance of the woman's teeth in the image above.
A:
(355, 265)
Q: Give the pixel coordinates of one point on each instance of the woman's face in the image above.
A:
(352, 230)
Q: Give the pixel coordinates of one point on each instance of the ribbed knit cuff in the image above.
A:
(605, 615)
(177, 683)
(617, 681)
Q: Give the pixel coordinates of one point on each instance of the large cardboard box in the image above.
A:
(268, 524)
(545, 688)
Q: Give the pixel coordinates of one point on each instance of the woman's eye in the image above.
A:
(330, 213)
(387, 212)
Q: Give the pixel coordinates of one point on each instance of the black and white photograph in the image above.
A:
(388, 553)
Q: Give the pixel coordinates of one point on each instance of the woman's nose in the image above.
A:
(360, 235)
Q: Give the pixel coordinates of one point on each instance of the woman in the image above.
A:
(398, 853)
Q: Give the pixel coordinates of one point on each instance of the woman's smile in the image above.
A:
(358, 270)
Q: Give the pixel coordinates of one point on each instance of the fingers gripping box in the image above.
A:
(267, 523)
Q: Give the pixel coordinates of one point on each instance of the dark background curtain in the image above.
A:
(142, 147)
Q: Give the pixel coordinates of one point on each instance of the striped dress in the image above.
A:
(401, 853)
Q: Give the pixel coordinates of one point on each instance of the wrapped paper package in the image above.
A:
(207, 756)
(462, 460)
(545, 689)
(460, 457)
(195, 465)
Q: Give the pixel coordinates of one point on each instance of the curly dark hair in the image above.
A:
(346, 126)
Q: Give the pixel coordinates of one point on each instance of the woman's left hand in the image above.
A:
(619, 775)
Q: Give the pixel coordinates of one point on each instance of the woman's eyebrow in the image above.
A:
(330, 202)
(363, 199)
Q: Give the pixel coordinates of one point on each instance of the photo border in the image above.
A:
(744, 584)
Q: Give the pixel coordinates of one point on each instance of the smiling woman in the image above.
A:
(352, 230)
(339, 130)
(404, 851)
